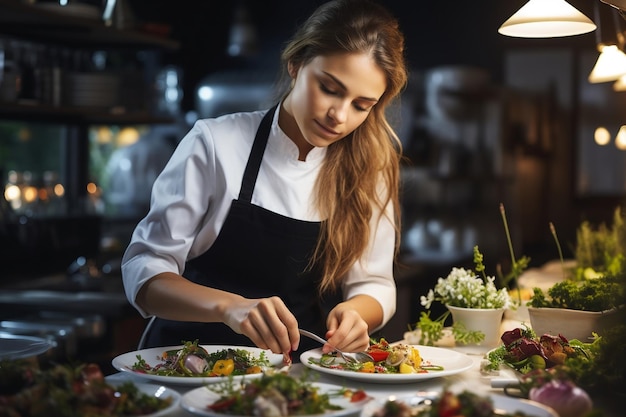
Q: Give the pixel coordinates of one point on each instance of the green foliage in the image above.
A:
(600, 250)
(517, 268)
(478, 261)
(464, 336)
(596, 294)
(432, 330)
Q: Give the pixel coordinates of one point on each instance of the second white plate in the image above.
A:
(197, 401)
(500, 402)
(451, 361)
(156, 391)
(126, 361)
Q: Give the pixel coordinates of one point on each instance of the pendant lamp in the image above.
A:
(547, 19)
(611, 63)
(610, 66)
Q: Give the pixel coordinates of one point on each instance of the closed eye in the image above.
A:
(332, 92)
(327, 90)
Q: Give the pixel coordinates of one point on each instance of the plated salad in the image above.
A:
(70, 391)
(388, 359)
(524, 351)
(277, 394)
(192, 360)
(448, 404)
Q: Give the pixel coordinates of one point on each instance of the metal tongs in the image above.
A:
(355, 357)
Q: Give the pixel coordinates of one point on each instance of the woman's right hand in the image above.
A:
(266, 321)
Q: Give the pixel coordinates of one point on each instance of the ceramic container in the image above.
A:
(485, 320)
(573, 324)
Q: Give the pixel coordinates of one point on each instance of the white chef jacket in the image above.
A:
(192, 195)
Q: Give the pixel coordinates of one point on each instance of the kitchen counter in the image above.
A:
(13, 302)
(472, 380)
(90, 320)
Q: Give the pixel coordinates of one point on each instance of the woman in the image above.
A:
(313, 184)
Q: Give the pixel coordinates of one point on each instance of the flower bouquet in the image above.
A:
(465, 291)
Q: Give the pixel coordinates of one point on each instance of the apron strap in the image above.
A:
(256, 156)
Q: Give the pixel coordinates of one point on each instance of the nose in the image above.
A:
(338, 112)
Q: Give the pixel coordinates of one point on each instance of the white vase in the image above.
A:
(486, 320)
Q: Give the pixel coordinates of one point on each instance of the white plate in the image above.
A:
(197, 401)
(500, 402)
(126, 361)
(158, 391)
(452, 362)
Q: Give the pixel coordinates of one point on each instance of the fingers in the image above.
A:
(270, 325)
(347, 331)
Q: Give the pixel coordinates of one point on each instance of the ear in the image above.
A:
(292, 69)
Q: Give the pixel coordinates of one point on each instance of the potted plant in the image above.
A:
(586, 300)
(474, 302)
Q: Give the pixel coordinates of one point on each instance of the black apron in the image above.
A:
(257, 254)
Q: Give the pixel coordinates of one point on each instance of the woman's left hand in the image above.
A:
(347, 331)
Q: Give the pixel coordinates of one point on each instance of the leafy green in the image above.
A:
(600, 250)
(432, 330)
(465, 336)
(597, 294)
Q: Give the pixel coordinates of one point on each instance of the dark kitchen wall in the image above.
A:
(437, 32)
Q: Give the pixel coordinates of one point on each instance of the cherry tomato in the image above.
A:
(379, 355)
(358, 395)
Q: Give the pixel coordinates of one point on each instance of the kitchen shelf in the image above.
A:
(31, 22)
(78, 30)
(78, 115)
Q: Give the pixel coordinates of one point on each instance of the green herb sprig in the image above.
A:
(517, 266)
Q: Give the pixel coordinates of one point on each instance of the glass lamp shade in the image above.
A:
(546, 19)
(610, 66)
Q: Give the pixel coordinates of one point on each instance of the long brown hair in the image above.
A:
(361, 171)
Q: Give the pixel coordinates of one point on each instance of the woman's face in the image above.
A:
(331, 96)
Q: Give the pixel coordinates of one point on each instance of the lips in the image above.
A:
(326, 131)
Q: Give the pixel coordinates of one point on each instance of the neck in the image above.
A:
(288, 124)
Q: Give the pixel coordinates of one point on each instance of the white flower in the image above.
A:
(463, 288)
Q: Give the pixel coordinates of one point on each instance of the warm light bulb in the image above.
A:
(620, 139)
(104, 135)
(59, 190)
(42, 194)
(547, 19)
(12, 193)
(30, 194)
(602, 136)
(128, 136)
(610, 66)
